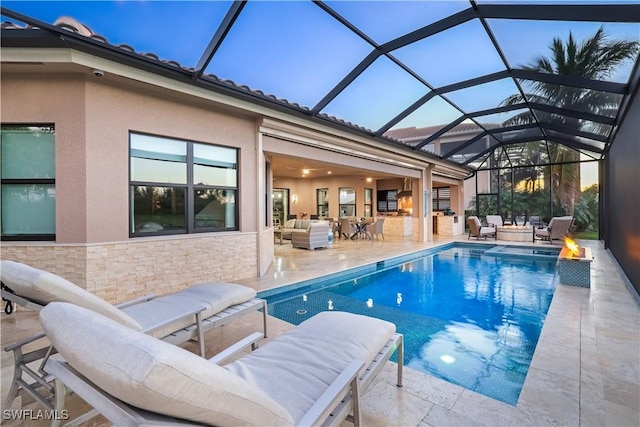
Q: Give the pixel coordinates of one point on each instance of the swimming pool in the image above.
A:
(467, 317)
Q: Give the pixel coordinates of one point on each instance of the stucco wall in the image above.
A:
(34, 99)
(92, 121)
(622, 183)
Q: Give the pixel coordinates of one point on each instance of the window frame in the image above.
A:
(29, 181)
(347, 205)
(190, 191)
(322, 207)
(368, 213)
(436, 199)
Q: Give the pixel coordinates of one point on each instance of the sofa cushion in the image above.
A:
(44, 287)
(153, 375)
(289, 224)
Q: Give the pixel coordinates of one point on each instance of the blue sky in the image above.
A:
(296, 51)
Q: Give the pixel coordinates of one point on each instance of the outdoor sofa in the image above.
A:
(292, 225)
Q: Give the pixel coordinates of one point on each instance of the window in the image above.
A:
(182, 186)
(322, 196)
(388, 201)
(28, 182)
(347, 205)
(441, 198)
(368, 202)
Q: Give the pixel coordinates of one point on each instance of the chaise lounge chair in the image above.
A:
(176, 318)
(312, 375)
(477, 230)
(557, 229)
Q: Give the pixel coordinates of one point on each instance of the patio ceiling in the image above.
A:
(380, 69)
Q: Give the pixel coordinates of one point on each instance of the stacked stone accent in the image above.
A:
(121, 271)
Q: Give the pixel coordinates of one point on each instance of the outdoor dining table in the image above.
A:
(361, 229)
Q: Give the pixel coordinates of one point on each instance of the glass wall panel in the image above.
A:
(156, 209)
(280, 198)
(28, 152)
(368, 202)
(204, 200)
(208, 175)
(155, 159)
(322, 200)
(146, 170)
(28, 192)
(215, 209)
(214, 165)
(347, 199)
(28, 209)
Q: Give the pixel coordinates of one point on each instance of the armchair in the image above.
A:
(494, 220)
(315, 236)
(477, 230)
(557, 229)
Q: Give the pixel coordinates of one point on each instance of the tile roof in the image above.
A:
(412, 133)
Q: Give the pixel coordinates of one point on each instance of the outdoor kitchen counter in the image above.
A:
(450, 225)
(398, 226)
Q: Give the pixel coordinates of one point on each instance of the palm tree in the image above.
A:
(596, 58)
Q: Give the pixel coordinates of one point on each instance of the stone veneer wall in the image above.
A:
(399, 226)
(448, 227)
(267, 248)
(121, 271)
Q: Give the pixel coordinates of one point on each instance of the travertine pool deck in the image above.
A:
(585, 371)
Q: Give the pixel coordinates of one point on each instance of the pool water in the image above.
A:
(468, 318)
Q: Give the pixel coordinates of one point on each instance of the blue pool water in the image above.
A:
(467, 317)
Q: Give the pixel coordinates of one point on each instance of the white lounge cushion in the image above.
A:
(298, 367)
(44, 287)
(213, 297)
(153, 375)
(487, 230)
